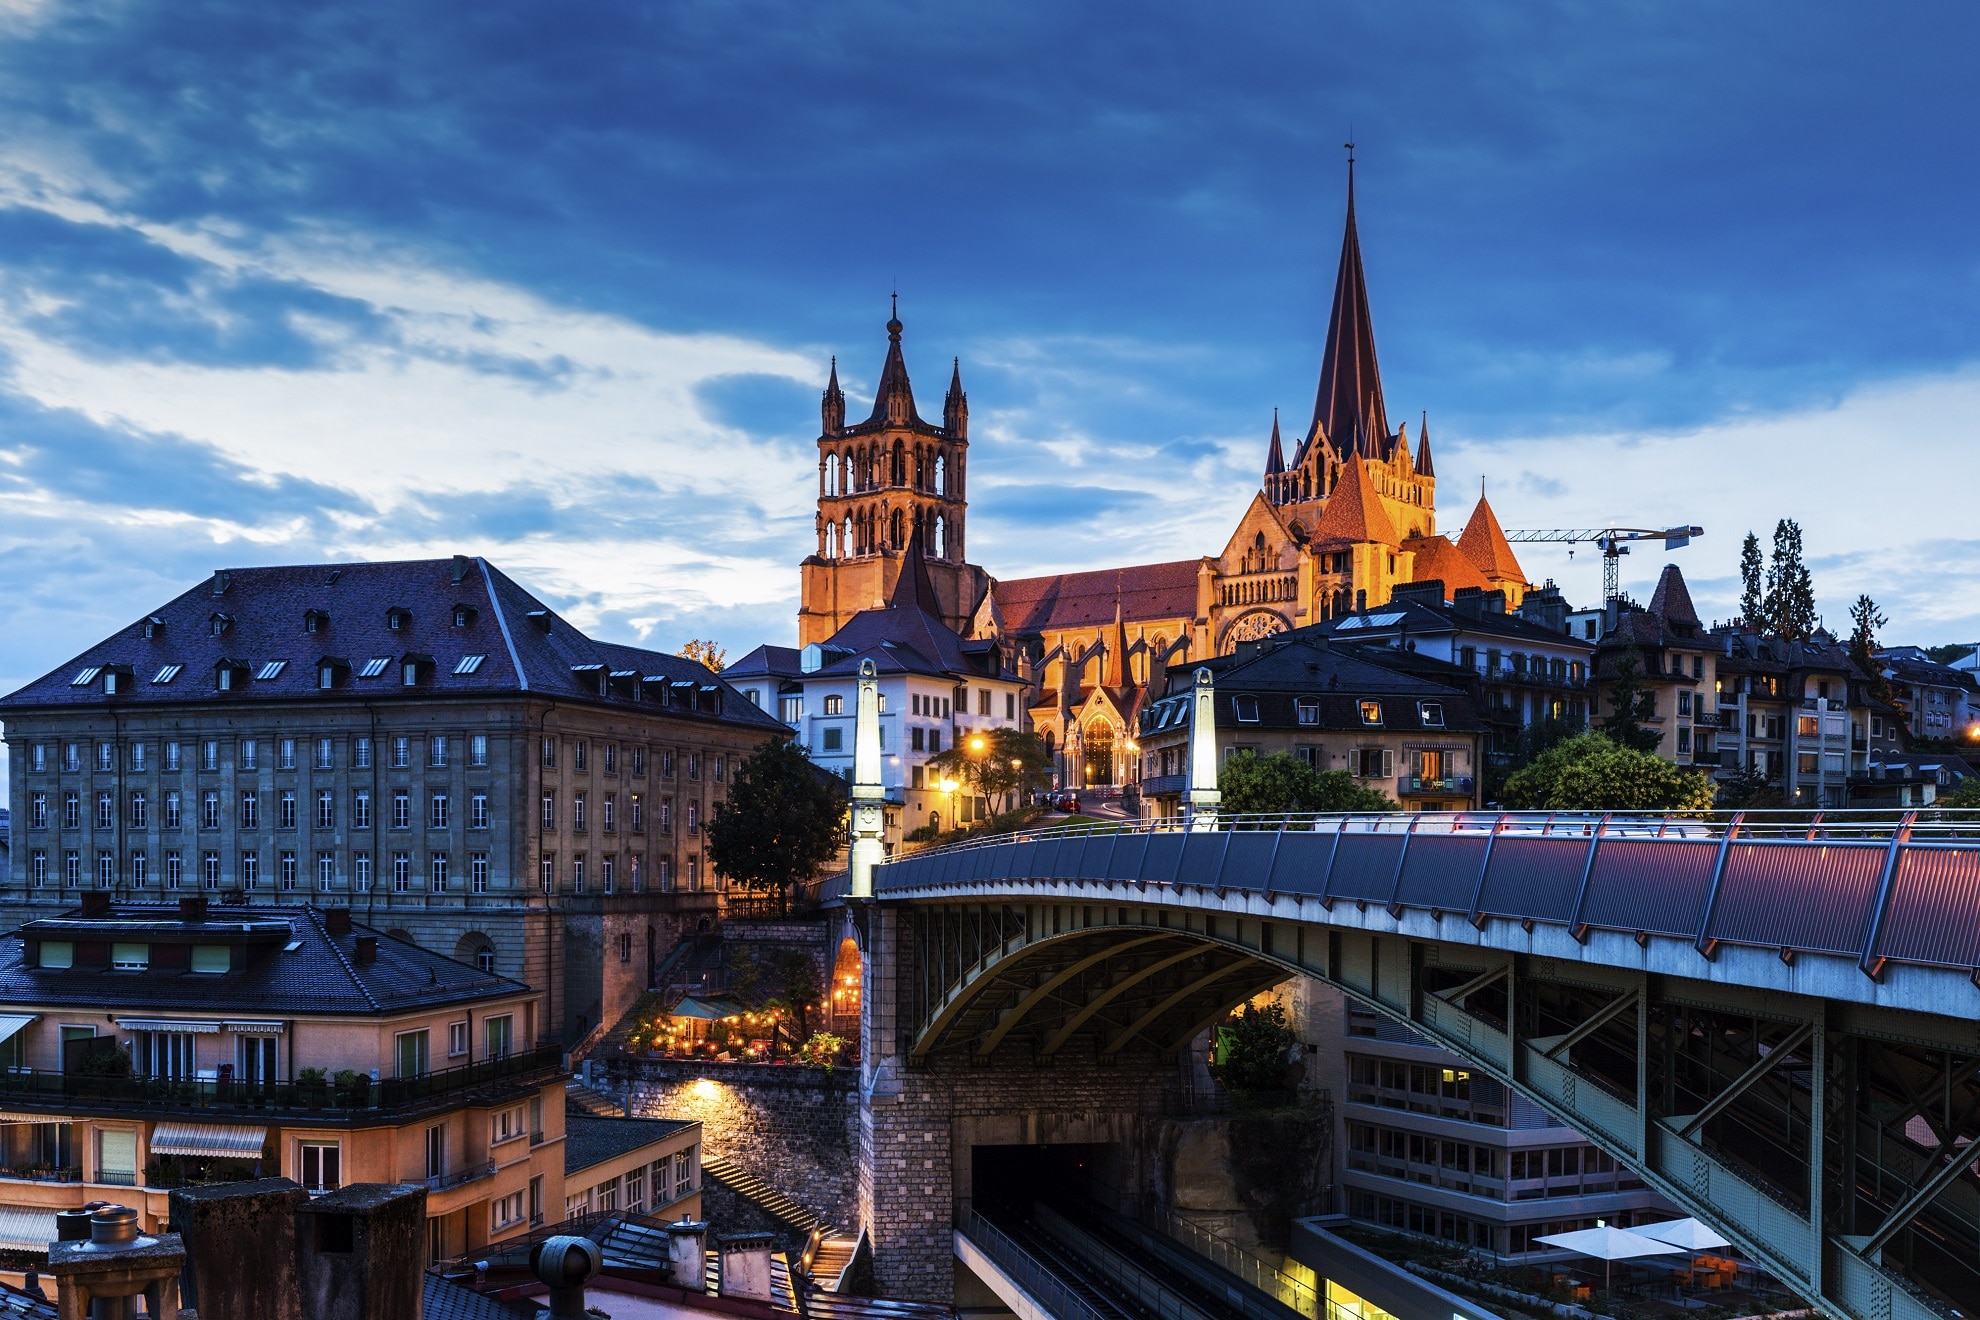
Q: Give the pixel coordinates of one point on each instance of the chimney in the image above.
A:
(337, 920)
(687, 1254)
(746, 1265)
(220, 580)
(462, 567)
(367, 949)
(117, 1265)
(192, 907)
(240, 1248)
(361, 1252)
(95, 903)
(1466, 601)
(565, 1264)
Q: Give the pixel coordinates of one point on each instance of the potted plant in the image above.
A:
(353, 1088)
(310, 1085)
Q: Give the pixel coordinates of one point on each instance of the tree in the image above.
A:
(1631, 702)
(1595, 773)
(1270, 785)
(797, 992)
(1752, 599)
(705, 652)
(1866, 619)
(1966, 795)
(1789, 603)
(999, 764)
(1750, 790)
(784, 818)
(1945, 655)
(1252, 1049)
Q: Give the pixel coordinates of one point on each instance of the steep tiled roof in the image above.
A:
(1354, 512)
(1348, 406)
(1672, 599)
(1283, 672)
(1437, 559)
(593, 1138)
(1147, 593)
(320, 975)
(894, 380)
(1484, 544)
(501, 645)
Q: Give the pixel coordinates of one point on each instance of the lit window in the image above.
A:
(374, 666)
(1431, 711)
(1371, 712)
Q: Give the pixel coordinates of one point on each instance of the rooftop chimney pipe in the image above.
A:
(337, 920)
(566, 1264)
(367, 948)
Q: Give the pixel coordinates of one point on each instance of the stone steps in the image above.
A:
(835, 1248)
(592, 1102)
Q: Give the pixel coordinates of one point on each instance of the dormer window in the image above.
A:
(711, 699)
(625, 682)
(542, 620)
(218, 624)
(590, 677)
(331, 672)
(315, 621)
(231, 675)
(398, 618)
(463, 615)
(1245, 708)
(413, 668)
(1308, 709)
(1371, 713)
(1432, 713)
(117, 680)
(153, 627)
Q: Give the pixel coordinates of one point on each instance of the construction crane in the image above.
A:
(1614, 544)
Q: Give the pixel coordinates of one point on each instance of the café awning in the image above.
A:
(243, 1141)
(166, 1024)
(1686, 1233)
(26, 1228)
(1610, 1244)
(706, 1010)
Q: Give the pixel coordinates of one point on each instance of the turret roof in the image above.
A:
(1484, 544)
(1354, 512)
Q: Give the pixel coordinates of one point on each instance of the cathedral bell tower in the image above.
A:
(880, 482)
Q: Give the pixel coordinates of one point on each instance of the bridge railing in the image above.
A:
(1061, 1302)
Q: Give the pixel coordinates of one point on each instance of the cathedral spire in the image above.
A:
(832, 407)
(1275, 457)
(894, 400)
(955, 407)
(1117, 670)
(1350, 394)
(1423, 468)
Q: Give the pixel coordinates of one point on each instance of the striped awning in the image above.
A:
(236, 1142)
(26, 1227)
(165, 1024)
(9, 1116)
(13, 1022)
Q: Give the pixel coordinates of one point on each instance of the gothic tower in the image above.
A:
(880, 482)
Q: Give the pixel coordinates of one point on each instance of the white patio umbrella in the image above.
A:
(1686, 1233)
(1609, 1245)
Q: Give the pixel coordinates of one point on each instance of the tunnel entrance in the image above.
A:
(1008, 1180)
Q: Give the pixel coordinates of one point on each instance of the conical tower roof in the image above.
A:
(915, 590)
(1354, 511)
(1672, 599)
(1423, 468)
(894, 377)
(1484, 544)
(1275, 457)
(1349, 402)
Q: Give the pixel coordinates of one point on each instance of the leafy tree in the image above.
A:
(784, 818)
(1752, 598)
(1789, 604)
(1252, 1046)
(1750, 790)
(1280, 782)
(1966, 795)
(1000, 764)
(1945, 655)
(1596, 773)
(1631, 702)
(705, 652)
(797, 992)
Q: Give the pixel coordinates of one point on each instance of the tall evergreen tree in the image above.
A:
(1789, 603)
(1632, 702)
(1752, 598)
(1866, 619)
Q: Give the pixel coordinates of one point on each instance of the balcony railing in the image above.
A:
(329, 1099)
(1504, 673)
(460, 1177)
(1418, 785)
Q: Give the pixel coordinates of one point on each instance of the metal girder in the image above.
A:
(1456, 997)
(1943, 1177)
(1107, 996)
(1608, 1013)
(1744, 1082)
(1009, 1021)
(1152, 1015)
(1211, 1018)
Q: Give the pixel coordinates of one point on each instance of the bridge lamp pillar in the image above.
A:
(1203, 794)
(869, 811)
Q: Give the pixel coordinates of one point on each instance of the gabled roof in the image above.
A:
(1147, 592)
(498, 648)
(1354, 512)
(1437, 559)
(591, 1139)
(1349, 402)
(1484, 544)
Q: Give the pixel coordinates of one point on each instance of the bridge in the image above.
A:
(1771, 1018)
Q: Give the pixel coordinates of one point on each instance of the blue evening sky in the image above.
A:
(559, 284)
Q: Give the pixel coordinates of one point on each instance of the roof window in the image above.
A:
(117, 680)
(273, 669)
(332, 671)
(1371, 713)
(413, 668)
(374, 666)
(314, 620)
(469, 663)
(463, 615)
(541, 618)
(218, 624)
(1309, 710)
(1245, 708)
(153, 626)
(230, 675)
(1431, 713)
(166, 673)
(85, 676)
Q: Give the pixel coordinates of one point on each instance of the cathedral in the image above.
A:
(1331, 531)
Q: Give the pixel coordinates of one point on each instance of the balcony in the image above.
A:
(1540, 678)
(322, 1102)
(460, 1177)
(1418, 786)
(1164, 785)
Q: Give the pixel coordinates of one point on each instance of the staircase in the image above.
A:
(579, 1096)
(835, 1247)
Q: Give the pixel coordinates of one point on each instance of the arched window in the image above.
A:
(941, 474)
(897, 540)
(832, 474)
(846, 540)
(941, 538)
(831, 547)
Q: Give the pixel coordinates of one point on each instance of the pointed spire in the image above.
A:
(894, 388)
(832, 408)
(1275, 457)
(955, 406)
(1116, 676)
(1484, 544)
(914, 589)
(1349, 402)
(1423, 468)
(1671, 602)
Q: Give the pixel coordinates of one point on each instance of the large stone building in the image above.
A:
(423, 741)
(1335, 529)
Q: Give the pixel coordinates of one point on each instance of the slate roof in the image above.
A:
(1672, 599)
(1285, 671)
(446, 1299)
(321, 976)
(1926, 673)
(1146, 592)
(265, 611)
(1348, 406)
(594, 1138)
(1419, 618)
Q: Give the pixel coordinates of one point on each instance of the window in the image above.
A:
(722, 768)
(72, 810)
(478, 872)
(175, 870)
(361, 753)
(549, 873)
(577, 873)
(666, 815)
(401, 872)
(171, 756)
(361, 872)
(1684, 738)
(326, 870)
(684, 1163)
(38, 758)
(288, 869)
(667, 764)
(478, 749)
(636, 1191)
(436, 1151)
(835, 705)
(1684, 704)
(478, 811)
(915, 741)
(469, 664)
(694, 872)
(1431, 713)
(321, 1165)
(625, 948)
(116, 1156)
(72, 756)
(140, 870)
(286, 752)
(37, 868)
(550, 753)
(437, 750)
(401, 810)
(1371, 762)
(250, 810)
(106, 756)
(608, 873)
(504, 1211)
(106, 811)
(326, 809)
(666, 874)
(549, 811)
(106, 870)
(637, 873)
(577, 756)
(361, 809)
(1245, 708)
(577, 811)
(831, 739)
(609, 817)
(140, 811)
(209, 870)
(437, 812)
(635, 817)
(790, 709)
(457, 1039)
(172, 817)
(500, 1036)
(662, 1180)
(286, 809)
(326, 754)
(209, 754)
(1371, 712)
(409, 1049)
(166, 1054)
(639, 760)
(436, 878)
(401, 753)
(250, 869)
(249, 753)
(1308, 710)
(137, 756)
(694, 818)
(610, 755)
(209, 810)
